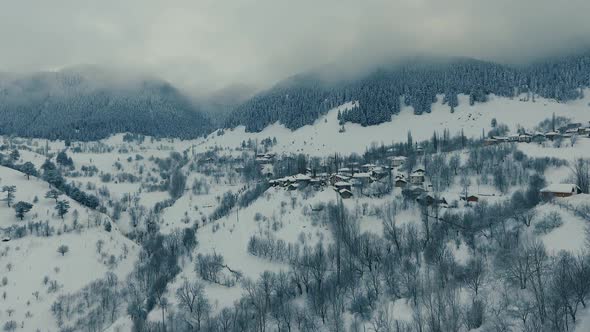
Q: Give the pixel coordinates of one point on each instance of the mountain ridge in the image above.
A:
(75, 104)
(382, 92)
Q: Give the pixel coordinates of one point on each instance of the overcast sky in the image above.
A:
(204, 45)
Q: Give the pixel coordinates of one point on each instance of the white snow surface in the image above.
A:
(323, 137)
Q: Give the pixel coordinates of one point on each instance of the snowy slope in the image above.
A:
(27, 261)
(322, 138)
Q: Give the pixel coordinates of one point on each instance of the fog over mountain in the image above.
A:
(88, 102)
(204, 46)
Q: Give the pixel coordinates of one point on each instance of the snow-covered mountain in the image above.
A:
(325, 135)
(415, 82)
(89, 103)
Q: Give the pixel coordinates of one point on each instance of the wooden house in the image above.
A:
(470, 199)
(398, 161)
(343, 185)
(345, 193)
(560, 190)
(418, 176)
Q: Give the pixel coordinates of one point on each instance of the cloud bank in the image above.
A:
(204, 45)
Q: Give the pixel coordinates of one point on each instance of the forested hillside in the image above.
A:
(299, 100)
(77, 105)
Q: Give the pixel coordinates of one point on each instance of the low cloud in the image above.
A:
(205, 45)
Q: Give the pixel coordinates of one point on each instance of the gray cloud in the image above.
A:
(204, 45)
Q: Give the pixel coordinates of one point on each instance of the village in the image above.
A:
(374, 180)
(569, 131)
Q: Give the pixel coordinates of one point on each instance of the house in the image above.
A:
(428, 199)
(398, 161)
(344, 170)
(570, 128)
(264, 158)
(489, 141)
(268, 173)
(525, 138)
(301, 178)
(470, 199)
(514, 138)
(322, 176)
(292, 186)
(400, 182)
(560, 190)
(316, 183)
(414, 191)
(551, 135)
(368, 167)
(362, 178)
(501, 139)
(345, 193)
(343, 185)
(280, 182)
(380, 172)
(574, 125)
(538, 137)
(338, 178)
(417, 177)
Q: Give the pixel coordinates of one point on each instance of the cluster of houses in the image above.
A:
(568, 131)
(347, 179)
(343, 181)
(415, 185)
(265, 158)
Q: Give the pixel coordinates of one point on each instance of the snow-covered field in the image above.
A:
(36, 273)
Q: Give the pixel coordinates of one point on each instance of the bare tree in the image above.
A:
(525, 216)
(475, 274)
(194, 303)
(581, 174)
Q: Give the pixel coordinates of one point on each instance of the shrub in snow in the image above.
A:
(211, 267)
(63, 249)
(10, 325)
(548, 223)
(475, 315)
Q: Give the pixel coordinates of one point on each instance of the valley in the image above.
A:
(420, 220)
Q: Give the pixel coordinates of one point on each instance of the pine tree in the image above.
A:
(53, 194)
(62, 208)
(15, 155)
(29, 169)
(21, 208)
